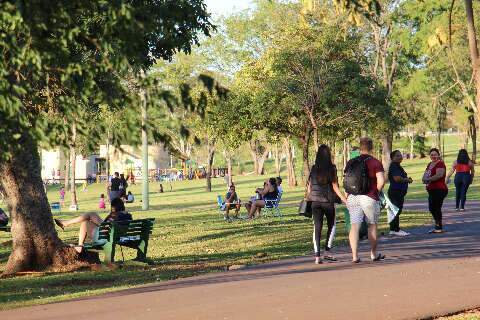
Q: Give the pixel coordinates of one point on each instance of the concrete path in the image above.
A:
(424, 275)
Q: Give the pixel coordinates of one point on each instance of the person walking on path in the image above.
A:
(434, 178)
(364, 179)
(322, 191)
(465, 171)
(397, 190)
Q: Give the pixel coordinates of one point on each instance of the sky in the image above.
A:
(226, 7)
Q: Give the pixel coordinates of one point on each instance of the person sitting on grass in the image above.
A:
(130, 198)
(269, 192)
(90, 222)
(231, 200)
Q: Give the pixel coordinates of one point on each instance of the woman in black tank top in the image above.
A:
(323, 190)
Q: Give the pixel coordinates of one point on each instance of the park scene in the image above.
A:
(239, 159)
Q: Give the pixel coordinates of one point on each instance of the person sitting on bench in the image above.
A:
(89, 222)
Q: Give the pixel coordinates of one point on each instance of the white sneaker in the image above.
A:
(400, 233)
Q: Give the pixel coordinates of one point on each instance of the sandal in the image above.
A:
(379, 257)
(59, 223)
(357, 261)
(329, 258)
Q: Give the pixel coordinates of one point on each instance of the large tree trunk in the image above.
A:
(258, 159)
(474, 56)
(67, 171)
(315, 139)
(253, 151)
(261, 161)
(345, 153)
(107, 157)
(292, 179)
(229, 168)
(278, 159)
(211, 154)
(473, 135)
(305, 140)
(73, 161)
(387, 141)
(412, 141)
(36, 245)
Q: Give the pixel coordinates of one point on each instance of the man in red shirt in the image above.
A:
(366, 206)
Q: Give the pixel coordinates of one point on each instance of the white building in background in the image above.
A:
(125, 160)
(53, 164)
(129, 158)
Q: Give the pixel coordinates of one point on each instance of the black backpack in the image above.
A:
(356, 180)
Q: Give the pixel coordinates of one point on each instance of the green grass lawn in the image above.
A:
(189, 238)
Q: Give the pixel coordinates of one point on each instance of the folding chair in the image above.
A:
(271, 206)
(220, 204)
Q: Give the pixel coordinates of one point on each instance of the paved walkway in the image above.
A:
(423, 275)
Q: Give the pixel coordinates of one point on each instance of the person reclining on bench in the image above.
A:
(90, 222)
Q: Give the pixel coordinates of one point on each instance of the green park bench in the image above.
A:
(5, 228)
(132, 234)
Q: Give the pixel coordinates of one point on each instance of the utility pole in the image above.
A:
(145, 202)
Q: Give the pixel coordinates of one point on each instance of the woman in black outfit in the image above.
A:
(322, 187)
(397, 191)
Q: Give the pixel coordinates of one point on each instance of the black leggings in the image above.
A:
(320, 209)
(435, 203)
(397, 197)
(462, 182)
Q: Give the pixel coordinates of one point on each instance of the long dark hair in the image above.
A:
(323, 167)
(273, 182)
(463, 157)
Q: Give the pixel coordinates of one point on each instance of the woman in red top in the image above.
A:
(463, 178)
(434, 178)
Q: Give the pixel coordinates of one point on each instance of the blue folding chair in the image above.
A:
(271, 206)
(220, 204)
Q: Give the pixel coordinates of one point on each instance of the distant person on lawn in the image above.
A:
(434, 178)
(322, 191)
(123, 186)
(231, 200)
(115, 191)
(465, 170)
(364, 180)
(129, 198)
(101, 202)
(90, 222)
(397, 190)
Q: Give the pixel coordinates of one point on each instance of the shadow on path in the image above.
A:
(461, 240)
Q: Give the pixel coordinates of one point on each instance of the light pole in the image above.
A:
(145, 204)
